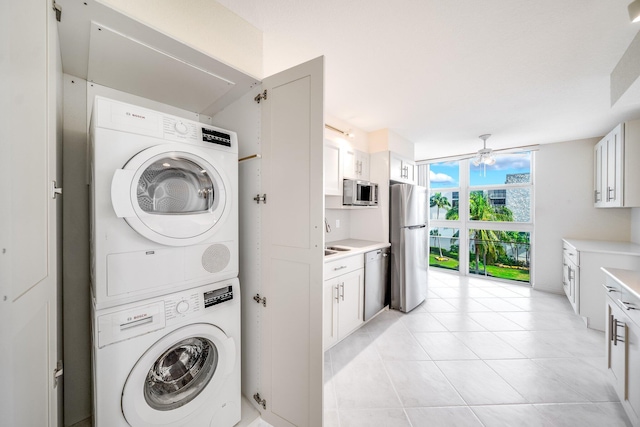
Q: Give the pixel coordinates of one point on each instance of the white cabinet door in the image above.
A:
(616, 337)
(29, 216)
(332, 168)
(609, 169)
(331, 292)
(351, 302)
(598, 185)
(349, 166)
(401, 169)
(396, 173)
(614, 193)
(633, 371)
(362, 165)
(292, 255)
(409, 168)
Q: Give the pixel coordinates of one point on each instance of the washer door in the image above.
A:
(177, 375)
(172, 197)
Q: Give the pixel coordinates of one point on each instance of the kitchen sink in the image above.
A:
(327, 252)
(337, 248)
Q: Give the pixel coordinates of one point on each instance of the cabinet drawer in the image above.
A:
(341, 266)
(630, 304)
(571, 253)
(612, 288)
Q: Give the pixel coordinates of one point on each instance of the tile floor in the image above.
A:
(475, 353)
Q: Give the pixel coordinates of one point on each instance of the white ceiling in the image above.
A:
(442, 72)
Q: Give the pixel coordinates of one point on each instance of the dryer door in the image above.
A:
(173, 197)
(177, 375)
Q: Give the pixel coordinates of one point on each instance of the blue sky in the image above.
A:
(447, 174)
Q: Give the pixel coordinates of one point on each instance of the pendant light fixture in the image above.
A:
(634, 11)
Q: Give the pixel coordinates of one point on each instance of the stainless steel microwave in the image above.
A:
(359, 193)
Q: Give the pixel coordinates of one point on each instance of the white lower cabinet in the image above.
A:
(343, 299)
(623, 339)
(582, 278)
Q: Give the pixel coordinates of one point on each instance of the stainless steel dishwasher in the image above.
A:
(376, 281)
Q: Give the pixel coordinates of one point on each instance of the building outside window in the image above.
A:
(492, 223)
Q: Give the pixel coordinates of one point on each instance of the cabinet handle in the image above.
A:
(627, 305)
(609, 190)
(610, 288)
(342, 291)
(611, 320)
(596, 198)
(337, 293)
(571, 275)
(339, 268)
(617, 339)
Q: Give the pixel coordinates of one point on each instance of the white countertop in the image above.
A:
(629, 279)
(355, 246)
(601, 246)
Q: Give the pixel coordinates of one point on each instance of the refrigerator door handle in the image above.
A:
(413, 227)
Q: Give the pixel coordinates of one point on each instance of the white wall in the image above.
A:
(387, 140)
(564, 208)
(205, 25)
(635, 225)
(344, 231)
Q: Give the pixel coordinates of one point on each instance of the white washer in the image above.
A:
(164, 203)
(169, 361)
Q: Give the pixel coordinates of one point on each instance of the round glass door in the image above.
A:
(174, 185)
(180, 374)
(176, 198)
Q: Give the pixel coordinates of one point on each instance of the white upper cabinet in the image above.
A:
(616, 177)
(401, 169)
(342, 161)
(355, 164)
(332, 168)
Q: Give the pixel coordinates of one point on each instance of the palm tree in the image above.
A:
(484, 240)
(436, 233)
(441, 202)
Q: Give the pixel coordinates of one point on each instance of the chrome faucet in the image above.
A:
(327, 227)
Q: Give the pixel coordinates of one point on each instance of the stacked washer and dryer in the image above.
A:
(165, 293)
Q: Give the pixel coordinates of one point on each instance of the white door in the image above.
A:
(292, 233)
(31, 130)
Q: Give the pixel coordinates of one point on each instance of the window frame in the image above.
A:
(465, 224)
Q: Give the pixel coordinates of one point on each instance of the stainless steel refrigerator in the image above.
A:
(409, 234)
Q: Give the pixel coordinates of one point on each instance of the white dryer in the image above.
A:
(169, 361)
(164, 203)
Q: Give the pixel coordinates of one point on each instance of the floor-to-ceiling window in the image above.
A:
(482, 216)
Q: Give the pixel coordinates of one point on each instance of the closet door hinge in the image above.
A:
(259, 97)
(261, 402)
(260, 300)
(57, 373)
(55, 190)
(260, 198)
(58, 10)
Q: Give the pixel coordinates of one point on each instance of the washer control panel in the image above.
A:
(189, 303)
(182, 305)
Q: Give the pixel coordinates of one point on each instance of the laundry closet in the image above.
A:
(279, 123)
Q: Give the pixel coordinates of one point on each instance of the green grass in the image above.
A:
(503, 273)
(450, 263)
(492, 270)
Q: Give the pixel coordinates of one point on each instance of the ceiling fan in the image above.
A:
(484, 156)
